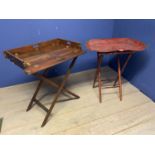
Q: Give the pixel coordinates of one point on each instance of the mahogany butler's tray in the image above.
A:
(43, 55)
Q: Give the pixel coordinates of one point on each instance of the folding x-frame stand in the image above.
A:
(61, 88)
(119, 72)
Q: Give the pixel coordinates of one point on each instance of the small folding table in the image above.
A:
(41, 57)
(116, 46)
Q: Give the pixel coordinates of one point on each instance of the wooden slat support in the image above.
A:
(123, 67)
(119, 70)
(53, 84)
(61, 88)
(40, 105)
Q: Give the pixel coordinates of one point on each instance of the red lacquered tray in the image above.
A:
(115, 45)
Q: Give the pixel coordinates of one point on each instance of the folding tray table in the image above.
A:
(117, 46)
(41, 57)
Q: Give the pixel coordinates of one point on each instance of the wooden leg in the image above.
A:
(96, 73)
(119, 78)
(34, 96)
(36, 92)
(123, 68)
(58, 92)
(99, 56)
(95, 78)
(54, 84)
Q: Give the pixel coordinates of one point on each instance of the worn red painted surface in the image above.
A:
(115, 44)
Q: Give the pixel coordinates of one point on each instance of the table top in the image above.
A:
(115, 45)
(43, 55)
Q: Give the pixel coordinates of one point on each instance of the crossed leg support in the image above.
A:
(119, 73)
(61, 88)
(123, 67)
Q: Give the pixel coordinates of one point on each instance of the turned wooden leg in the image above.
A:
(119, 78)
(95, 78)
(99, 57)
(96, 73)
(123, 67)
